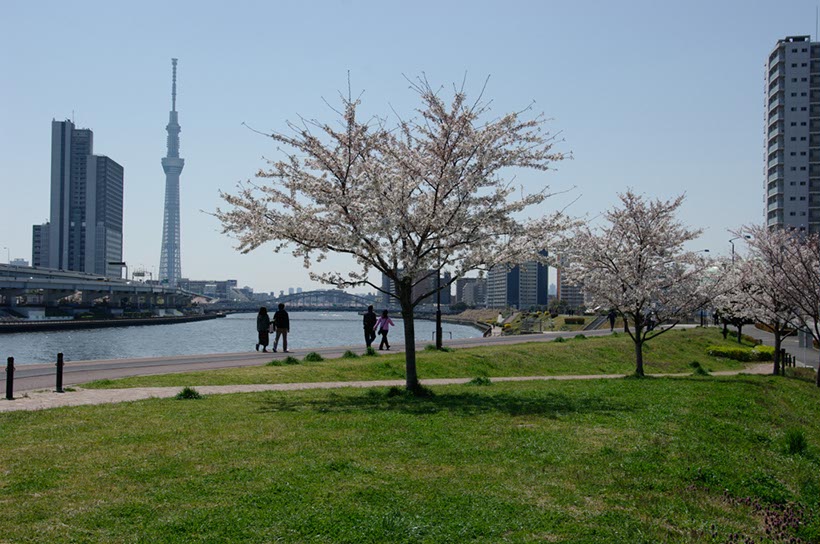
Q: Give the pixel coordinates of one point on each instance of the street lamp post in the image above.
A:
(438, 305)
(732, 241)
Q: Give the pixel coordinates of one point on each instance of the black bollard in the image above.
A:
(10, 379)
(60, 365)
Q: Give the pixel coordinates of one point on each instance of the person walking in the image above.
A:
(263, 329)
(383, 326)
(281, 324)
(612, 315)
(369, 323)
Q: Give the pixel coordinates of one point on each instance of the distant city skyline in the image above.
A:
(658, 97)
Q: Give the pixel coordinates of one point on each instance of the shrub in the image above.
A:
(290, 360)
(313, 357)
(276, 362)
(580, 337)
(574, 320)
(188, 393)
(560, 339)
(370, 352)
(349, 355)
(480, 380)
(698, 370)
(764, 353)
(730, 352)
(796, 441)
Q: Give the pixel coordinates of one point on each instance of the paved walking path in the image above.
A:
(40, 400)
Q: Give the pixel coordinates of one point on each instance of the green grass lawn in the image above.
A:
(672, 352)
(634, 461)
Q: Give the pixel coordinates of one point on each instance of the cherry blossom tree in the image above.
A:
(636, 264)
(760, 278)
(800, 264)
(402, 197)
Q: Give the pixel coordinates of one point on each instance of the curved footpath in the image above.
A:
(39, 400)
(34, 383)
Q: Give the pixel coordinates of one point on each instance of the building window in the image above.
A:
(794, 139)
(794, 65)
(802, 183)
(802, 198)
(802, 94)
(802, 123)
(793, 183)
(794, 124)
(803, 108)
(794, 94)
(791, 213)
(803, 65)
(791, 198)
(802, 168)
(802, 138)
(794, 80)
(802, 153)
(804, 79)
(794, 109)
(793, 153)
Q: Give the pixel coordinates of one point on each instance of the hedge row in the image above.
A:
(760, 353)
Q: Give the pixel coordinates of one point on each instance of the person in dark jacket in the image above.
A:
(263, 328)
(281, 324)
(369, 323)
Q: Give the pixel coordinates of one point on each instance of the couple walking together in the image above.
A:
(371, 325)
(280, 324)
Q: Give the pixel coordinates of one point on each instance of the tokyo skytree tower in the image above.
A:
(169, 262)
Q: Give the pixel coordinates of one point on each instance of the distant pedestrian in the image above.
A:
(263, 328)
(281, 324)
(612, 315)
(383, 326)
(369, 323)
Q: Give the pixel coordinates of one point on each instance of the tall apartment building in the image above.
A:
(471, 291)
(793, 135)
(39, 245)
(425, 285)
(521, 286)
(85, 227)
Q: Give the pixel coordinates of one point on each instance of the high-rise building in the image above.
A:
(521, 286)
(427, 284)
(39, 245)
(103, 217)
(793, 135)
(471, 291)
(85, 230)
(170, 269)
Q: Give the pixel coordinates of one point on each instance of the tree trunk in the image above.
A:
(739, 334)
(817, 376)
(777, 341)
(404, 291)
(638, 356)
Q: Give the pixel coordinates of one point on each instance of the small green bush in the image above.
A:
(188, 393)
(290, 360)
(349, 355)
(580, 337)
(560, 339)
(730, 352)
(697, 369)
(370, 352)
(430, 347)
(313, 357)
(739, 353)
(574, 320)
(480, 380)
(796, 441)
(764, 353)
(276, 362)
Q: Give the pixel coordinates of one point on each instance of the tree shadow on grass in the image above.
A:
(549, 405)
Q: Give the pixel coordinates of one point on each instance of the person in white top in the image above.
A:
(383, 326)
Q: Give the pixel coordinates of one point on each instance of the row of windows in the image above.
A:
(801, 213)
(803, 65)
(803, 108)
(804, 50)
(801, 94)
(794, 79)
(792, 183)
(795, 198)
(802, 123)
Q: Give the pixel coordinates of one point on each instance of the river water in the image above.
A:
(234, 333)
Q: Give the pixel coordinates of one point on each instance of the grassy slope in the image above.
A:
(670, 353)
(655, 460)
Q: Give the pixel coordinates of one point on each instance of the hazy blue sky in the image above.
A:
(662, 97)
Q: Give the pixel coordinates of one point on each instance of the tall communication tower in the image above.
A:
(172, 164)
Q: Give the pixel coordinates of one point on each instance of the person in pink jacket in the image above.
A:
(383, 327)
